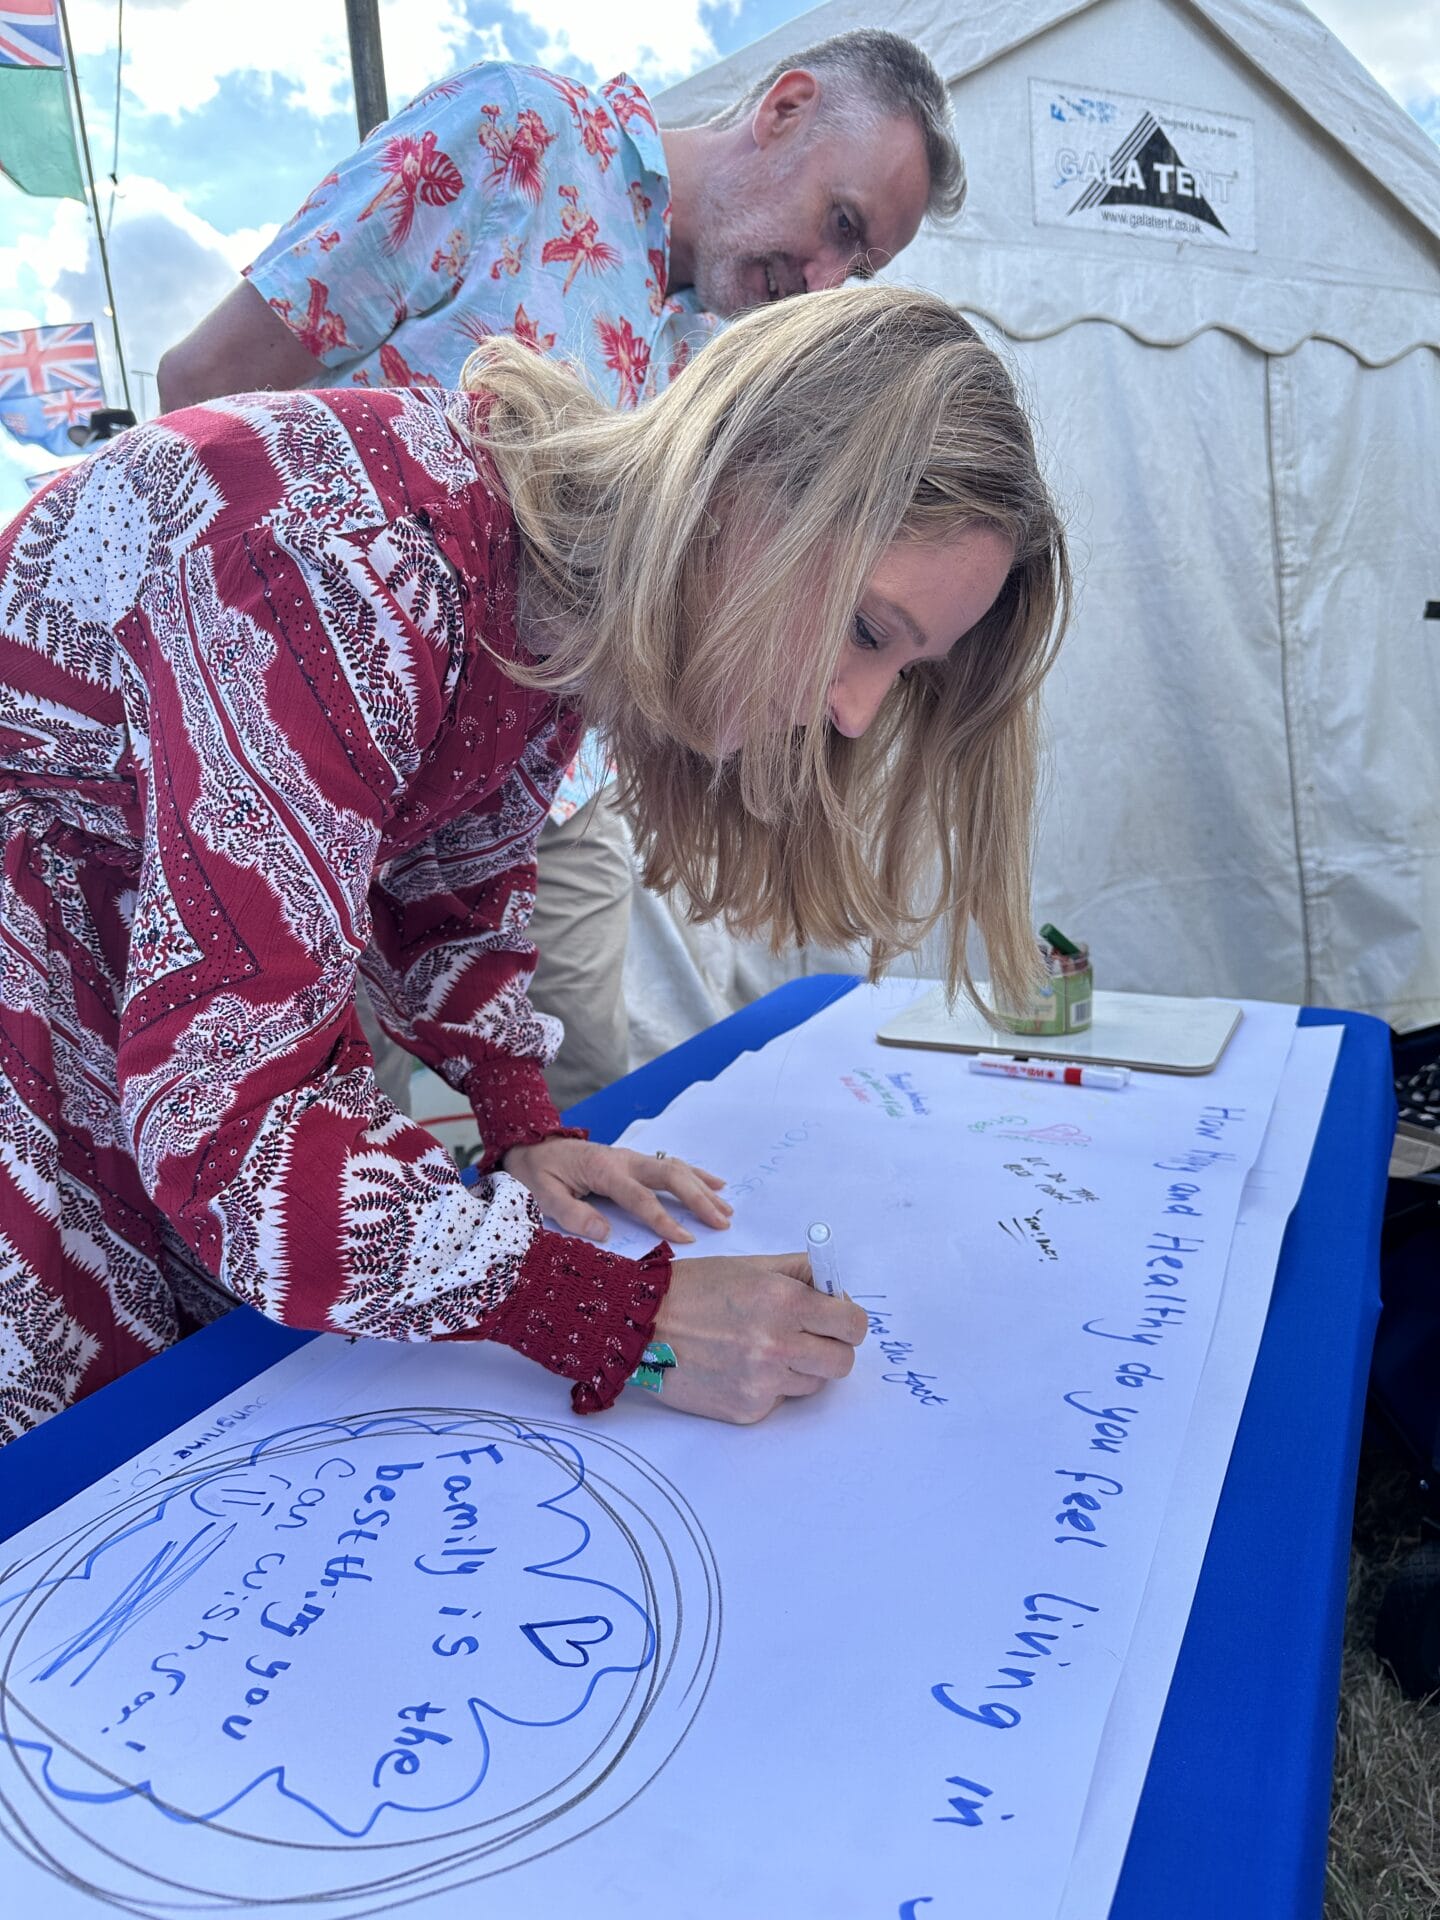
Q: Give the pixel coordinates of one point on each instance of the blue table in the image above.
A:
(1234, 1815)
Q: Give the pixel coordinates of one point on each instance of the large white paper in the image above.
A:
(392, 1625)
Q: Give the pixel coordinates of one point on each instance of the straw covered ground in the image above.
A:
(1384, 1859)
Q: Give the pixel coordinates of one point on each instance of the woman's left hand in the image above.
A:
(560, 1173)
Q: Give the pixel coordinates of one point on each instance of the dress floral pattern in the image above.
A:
(505, 200)
(256, 736)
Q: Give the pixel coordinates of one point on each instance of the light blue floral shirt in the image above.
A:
(505, 200)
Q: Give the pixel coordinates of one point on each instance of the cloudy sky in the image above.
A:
(224, 131)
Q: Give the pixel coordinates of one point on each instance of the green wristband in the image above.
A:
(655, 1363)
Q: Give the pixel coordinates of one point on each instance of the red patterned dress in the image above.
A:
(255, 735)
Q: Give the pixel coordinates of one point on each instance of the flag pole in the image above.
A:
(367, 64)
(94, 202)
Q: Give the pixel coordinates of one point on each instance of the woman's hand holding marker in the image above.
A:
(750, 1331)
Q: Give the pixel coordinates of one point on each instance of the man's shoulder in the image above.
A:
(530, 119)
(509, 83)
(471, 85)
(630, 104)
(593, 116)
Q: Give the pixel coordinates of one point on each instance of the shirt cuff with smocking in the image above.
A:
(513, 1108)
(583, 1313)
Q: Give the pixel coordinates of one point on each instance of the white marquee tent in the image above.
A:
(1209, 243)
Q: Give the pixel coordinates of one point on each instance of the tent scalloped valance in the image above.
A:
(1169, 302)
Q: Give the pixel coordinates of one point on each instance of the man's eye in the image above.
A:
(846, 225)
(865, 636)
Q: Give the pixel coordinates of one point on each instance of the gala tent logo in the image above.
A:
(1146, 171)
(1179, 174)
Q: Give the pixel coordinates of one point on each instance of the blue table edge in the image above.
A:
(1188, 1803)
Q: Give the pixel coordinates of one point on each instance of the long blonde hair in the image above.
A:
(677, 560)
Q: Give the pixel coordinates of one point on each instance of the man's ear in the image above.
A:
(788, 108)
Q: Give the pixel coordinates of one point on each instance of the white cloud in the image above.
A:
(1399, 41)
(656, 41)
(177, 52)
(42, 250)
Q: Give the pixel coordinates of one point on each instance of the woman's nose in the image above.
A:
(855, 701)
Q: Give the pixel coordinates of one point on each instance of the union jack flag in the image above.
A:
(40, 359)
(71, 406)
(30, 34)
(49, 382)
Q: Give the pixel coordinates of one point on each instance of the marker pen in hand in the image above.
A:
(824, 1261)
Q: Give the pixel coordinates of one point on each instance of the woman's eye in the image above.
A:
(864, 636)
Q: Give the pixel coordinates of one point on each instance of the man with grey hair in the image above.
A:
(507, 199)
(821, 172)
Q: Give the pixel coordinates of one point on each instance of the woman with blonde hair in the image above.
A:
(285, 685)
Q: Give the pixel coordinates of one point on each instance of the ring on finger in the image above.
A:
(660, 1154)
